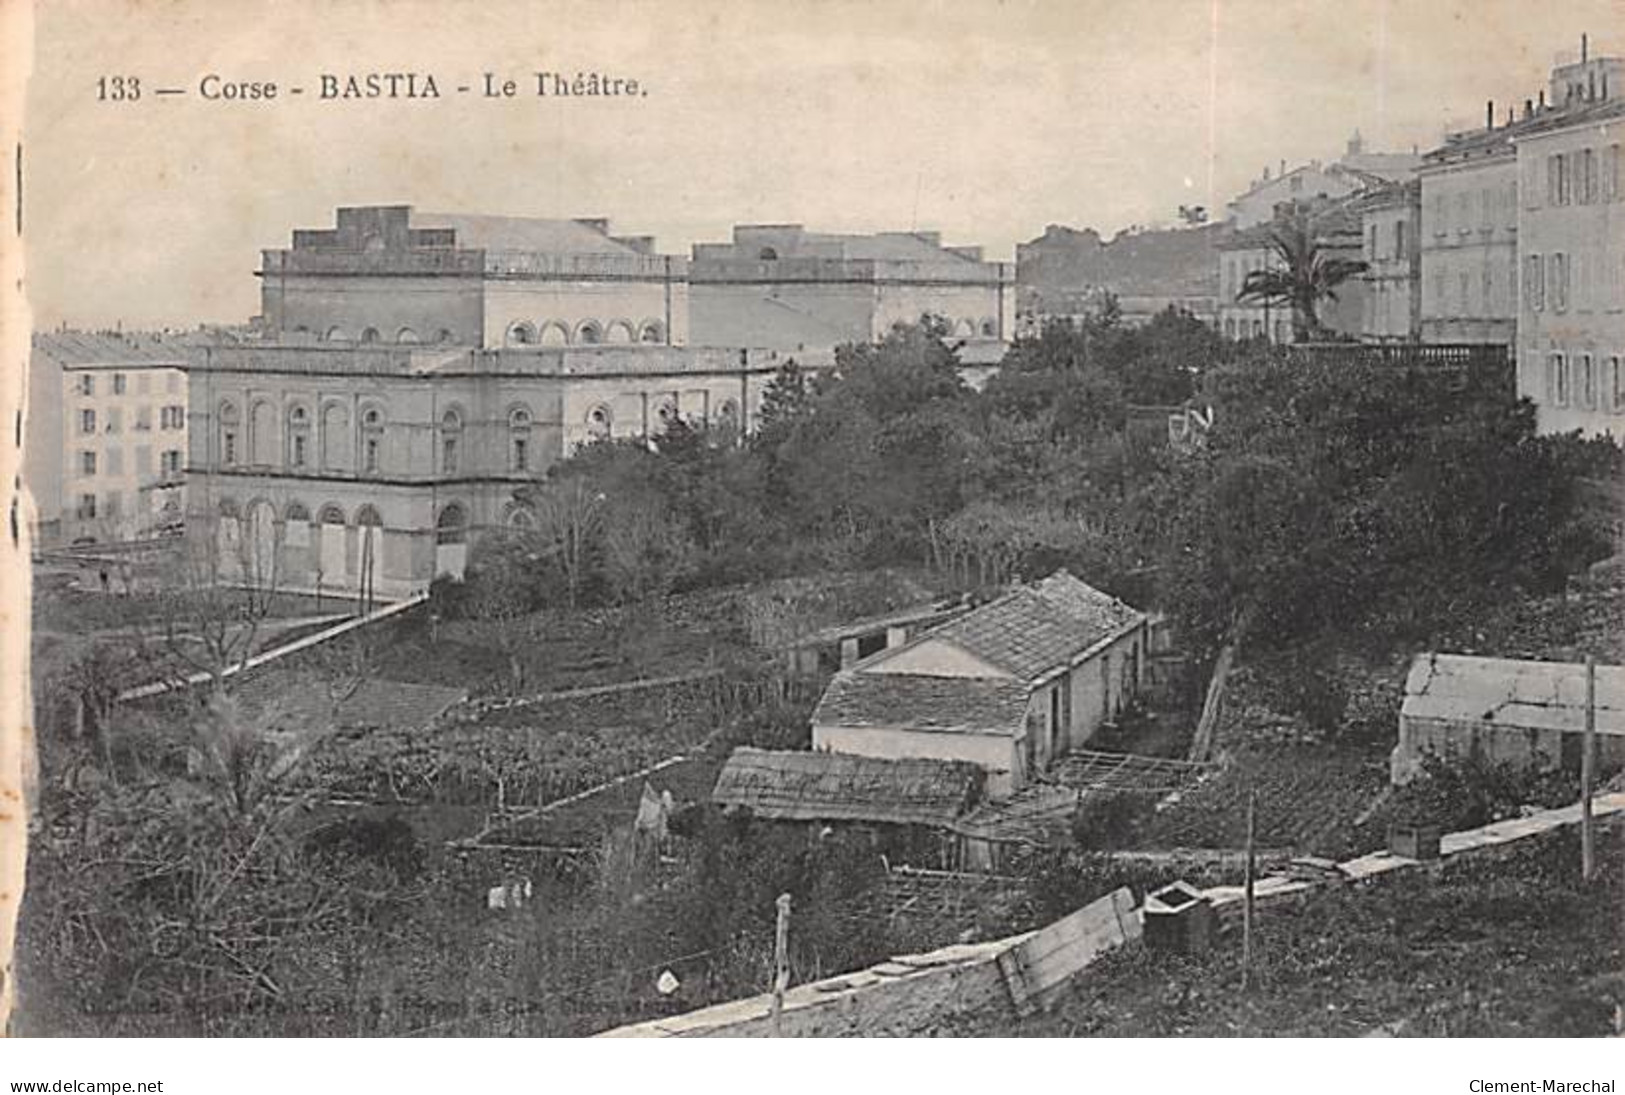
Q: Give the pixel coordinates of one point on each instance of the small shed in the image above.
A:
(802, 786)
(1530, 714)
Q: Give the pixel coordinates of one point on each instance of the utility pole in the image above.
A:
(781, 961)
(1247, 898)
(1588, 836)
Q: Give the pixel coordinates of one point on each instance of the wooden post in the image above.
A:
(1588, 836)
(1247, 900)
(781, 960)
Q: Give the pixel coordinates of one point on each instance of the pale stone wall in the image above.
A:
(1587, 327)
(1469, 250)
(995, 753)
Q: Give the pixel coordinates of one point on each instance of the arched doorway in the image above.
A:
(451, 541)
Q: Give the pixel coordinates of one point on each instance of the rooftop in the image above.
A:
(553, 236)
(95, 348)
(1038, 628)
(803, 786)
(1512, 692)
(907, 701)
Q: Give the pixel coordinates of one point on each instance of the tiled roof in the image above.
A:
(135, 348)
(962, 705)
(299, 701)
(803, 786)
(1038, 628)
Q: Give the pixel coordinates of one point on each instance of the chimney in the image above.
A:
(1542, 101)
(1585, 42)
(1489, 114)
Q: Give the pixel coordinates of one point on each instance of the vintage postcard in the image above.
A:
(812, 519)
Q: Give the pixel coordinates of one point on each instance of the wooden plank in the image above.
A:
(1036, 970)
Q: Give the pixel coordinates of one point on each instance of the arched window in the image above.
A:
(519, 422)
(589, 333)
(372, 440)
(451, 527)
(555, 333)
(520, 517)
(331, 515)
(767, 254)
(296, 511)
(369, 335)
(298, 436)
(619, 332)
(229, 508)
(407, 337)
(451, 438)
(728, 416)
(336, 334)
(444, 336)
(599, 422)
(652, 331)
(229, 426)
(520, 334)
(367, 517)
(335, 438)
(990, 328)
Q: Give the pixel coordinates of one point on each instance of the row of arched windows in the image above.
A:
(589, 332)
(966, 328)
(303, 445)
(366, 515)
(404, 336)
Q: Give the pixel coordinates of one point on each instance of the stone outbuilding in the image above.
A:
(1008, 686)
(1529, 714)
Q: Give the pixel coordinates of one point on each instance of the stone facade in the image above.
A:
(104, 456)
(1392, 223)
(388, 274)
(301, 451)
(785, 288)
(1571, 335)
(1469, 243)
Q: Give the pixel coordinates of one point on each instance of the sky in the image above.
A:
(981, 119)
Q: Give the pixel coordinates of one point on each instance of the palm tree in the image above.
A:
(1306, 276)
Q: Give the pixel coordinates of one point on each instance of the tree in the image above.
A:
(1307, 274)
(569, 522)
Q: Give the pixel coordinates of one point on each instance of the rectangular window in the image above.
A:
(521, 453)
(87, 507)
(172, 462)
(87, 421)
(371, 458)
(228, 447)
(1616, 383)
(1559, 282)
(1588, 175)
(1610, 175)
(448, 456)
(113, 416)
(87, 463)
(1534, 283)
(143, 417)
(1399, 239)
(87, 384)
(1588, 382)
(298, 455)
(1557, 380)
(118, 383)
